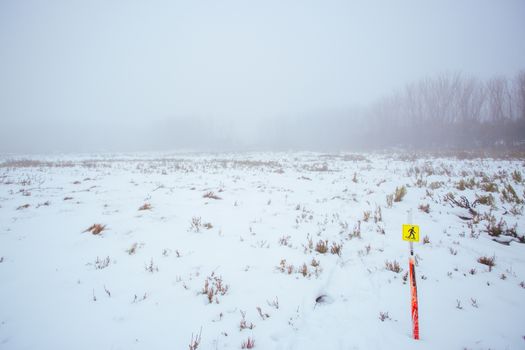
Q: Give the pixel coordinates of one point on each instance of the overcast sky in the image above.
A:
(102, 75)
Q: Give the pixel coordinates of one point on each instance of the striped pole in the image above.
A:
(413, 285)
(413, 291)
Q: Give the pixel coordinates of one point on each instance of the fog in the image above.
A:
(234, 75)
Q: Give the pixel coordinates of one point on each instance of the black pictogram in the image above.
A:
(411, 233)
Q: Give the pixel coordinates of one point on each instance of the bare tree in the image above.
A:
(499, 99)
(519, 95)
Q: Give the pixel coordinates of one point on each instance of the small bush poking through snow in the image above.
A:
(96, 229)
(248, 344)
(285, 241)
(194, 343)
(211, 195)
(516, 176)
(425, 208)
(274, 303)
(262, 314)
(133, 249)
(485, 200)
(336, 248)
(389, 200)
(462, 184)
(435, 185)
(474, 303)
(213, 287)
(495, 229)
(489, 187)
(145, 206)
(383, 316)
(393, 266)
(321, 247)
(304, 270)
(400, 193)
(489, 261)
(102, 264)
(151, 267)
(378, 216)
(245, 324)
(508, 194)
(195, 224)
(356, 232)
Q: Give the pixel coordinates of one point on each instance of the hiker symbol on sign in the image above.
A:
(411, 233)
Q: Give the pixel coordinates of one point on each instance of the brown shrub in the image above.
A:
(96, 229)
(489, 261)
(393, 266)
(145, 206)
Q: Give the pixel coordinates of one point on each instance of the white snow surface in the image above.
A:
(58, 291)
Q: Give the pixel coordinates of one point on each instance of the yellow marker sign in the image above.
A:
(411, 233)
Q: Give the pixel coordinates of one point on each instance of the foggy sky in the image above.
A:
(139, 75)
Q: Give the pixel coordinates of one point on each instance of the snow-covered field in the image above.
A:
(231, 247)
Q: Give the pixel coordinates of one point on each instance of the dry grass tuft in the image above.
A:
(336, 248)
(213, 287)
(102, 264)
(378, 215)
(96, 229)
(400, 193)
(383, 316)
(285, 241)
(425, 208)
(516, 176)
(508, 194)
(133, 249)
(489, 261)
(245, 324)
(321, 246)
(485, 200)
(489, 187)
(196, 224)
(211, 195)
(145, 206)
(248, 344)
(195, 341)
(393, 266)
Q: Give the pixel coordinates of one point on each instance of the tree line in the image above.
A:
(451, 111)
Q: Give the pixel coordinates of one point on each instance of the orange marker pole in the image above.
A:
(413, 285)
(413, 291)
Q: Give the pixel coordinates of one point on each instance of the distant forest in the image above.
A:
(449, 111)
(452, 111)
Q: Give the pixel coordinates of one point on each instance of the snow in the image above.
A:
(57, 292)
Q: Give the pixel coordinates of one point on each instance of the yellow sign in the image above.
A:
(411, 233)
